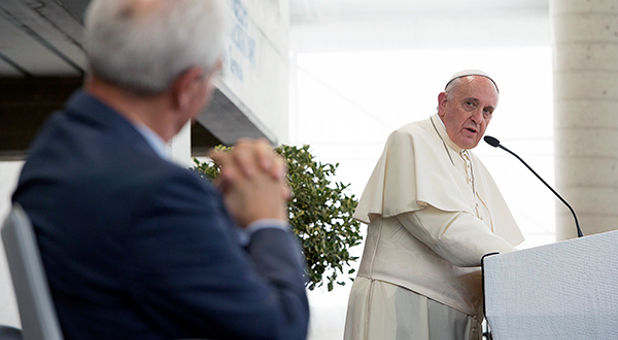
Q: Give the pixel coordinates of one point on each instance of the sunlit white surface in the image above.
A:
(345, 104)
(9, 173)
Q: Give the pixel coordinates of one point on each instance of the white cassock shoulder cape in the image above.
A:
(415, 170)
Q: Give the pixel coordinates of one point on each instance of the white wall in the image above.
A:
(9, 171)
(255, 76)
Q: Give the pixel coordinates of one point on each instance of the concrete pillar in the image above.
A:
(585, 41)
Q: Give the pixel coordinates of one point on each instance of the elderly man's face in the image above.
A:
(467, 110)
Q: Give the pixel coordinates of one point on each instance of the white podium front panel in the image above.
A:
(565, 290)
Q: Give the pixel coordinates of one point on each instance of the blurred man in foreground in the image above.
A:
(433, 211)
(133, 245)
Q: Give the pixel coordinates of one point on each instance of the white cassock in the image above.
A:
(433, 211)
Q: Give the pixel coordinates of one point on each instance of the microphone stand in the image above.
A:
(579, 231)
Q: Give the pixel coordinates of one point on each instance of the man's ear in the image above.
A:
(186, 87)
(442, 99)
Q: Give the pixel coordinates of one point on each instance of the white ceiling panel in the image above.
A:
(317, 11)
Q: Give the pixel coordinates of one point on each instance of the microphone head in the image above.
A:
(491, 141)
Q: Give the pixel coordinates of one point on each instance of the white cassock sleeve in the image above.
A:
(459, 237)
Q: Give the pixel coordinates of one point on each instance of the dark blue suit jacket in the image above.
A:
(137, 247)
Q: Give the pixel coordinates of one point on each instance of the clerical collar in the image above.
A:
(441, 129)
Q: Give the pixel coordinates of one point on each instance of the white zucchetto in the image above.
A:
(471, 72)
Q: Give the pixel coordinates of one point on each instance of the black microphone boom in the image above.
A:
(496, 143)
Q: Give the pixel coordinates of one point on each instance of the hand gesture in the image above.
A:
(253, 181)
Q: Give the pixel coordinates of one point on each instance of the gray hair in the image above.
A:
(142, 46)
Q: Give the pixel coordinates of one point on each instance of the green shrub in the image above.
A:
(320, 212)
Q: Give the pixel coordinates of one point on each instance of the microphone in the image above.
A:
(496, 143)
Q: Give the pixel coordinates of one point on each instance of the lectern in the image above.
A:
(565, 290)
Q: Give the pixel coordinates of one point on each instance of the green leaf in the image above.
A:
(320, 212)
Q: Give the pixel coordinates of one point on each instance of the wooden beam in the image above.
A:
(27, 18)
(27, 52)
(9, 69)
(74, 7)
(67, 18)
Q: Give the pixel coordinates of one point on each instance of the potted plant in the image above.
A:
(320, 212)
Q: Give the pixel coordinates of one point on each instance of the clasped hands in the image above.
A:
(253, 181)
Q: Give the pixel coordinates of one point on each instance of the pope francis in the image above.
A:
(433, 211)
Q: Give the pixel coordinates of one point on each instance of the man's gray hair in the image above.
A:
(143, 45)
